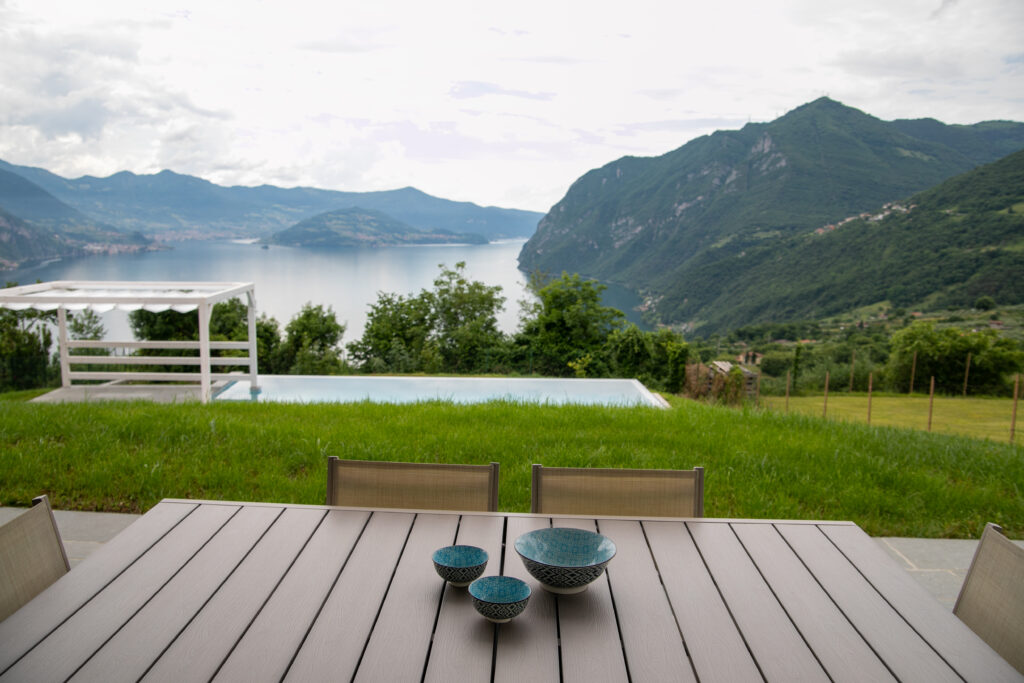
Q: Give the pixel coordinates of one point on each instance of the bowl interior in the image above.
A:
(460, 556)
(499, 589)
(561, 547)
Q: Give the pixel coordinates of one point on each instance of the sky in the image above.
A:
(501, 104)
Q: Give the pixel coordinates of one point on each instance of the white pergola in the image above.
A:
(64, 296)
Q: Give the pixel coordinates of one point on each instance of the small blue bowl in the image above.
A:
(499, 598)
(564, 560)
(459, 565)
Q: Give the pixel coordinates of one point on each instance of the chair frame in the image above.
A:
(31, 572)
(991, 600)
(490, 473)
(638, 476)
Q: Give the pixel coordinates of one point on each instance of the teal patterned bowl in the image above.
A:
(499, 598)
(459, 565)
(564, 560)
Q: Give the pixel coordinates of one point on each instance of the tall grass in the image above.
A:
(127, 456)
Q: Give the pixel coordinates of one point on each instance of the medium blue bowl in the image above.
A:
(459, 565)
(564, 560)
(499, 598)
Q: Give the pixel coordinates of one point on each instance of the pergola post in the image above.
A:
(62, 340)
(254, 385)
(204, 352)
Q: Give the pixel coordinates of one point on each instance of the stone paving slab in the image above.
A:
(938, 564)
(82, 532)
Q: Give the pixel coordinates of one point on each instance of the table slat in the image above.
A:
(778, 648)
(336, 641)
(960, 646)
(463, 646)
(903, 651)
(527, 645)
(650, 634)
(64, 650)
(26, 627)
(132, 650)
(837, 644)
(591, 647)
(713, 641)
(199, 650)
(266, 650)
(410, 608)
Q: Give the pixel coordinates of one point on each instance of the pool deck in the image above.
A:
(88, 393)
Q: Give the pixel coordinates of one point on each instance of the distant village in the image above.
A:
(887, 209)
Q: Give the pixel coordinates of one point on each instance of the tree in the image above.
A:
(567, 324)
(311, 343)
(396, 335)
(452, 328)
(465, 317)
(943, 354)
(25, 341)
(985, 303)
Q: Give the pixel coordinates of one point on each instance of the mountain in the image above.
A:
(21, 241)
(673, 227)
(35, 225)
(357, 227)
(946, 246)
(169, 205)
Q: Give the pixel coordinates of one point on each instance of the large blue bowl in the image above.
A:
(459, 565)
(564, 560)
(499, 598)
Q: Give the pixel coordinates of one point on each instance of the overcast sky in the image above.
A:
(499, 103)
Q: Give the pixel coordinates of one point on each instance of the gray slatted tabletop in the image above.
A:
(207, 590)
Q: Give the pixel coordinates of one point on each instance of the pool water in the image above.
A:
(397, 389)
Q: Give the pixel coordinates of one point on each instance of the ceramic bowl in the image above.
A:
(564, 560)
(499, 598)
(459, 565)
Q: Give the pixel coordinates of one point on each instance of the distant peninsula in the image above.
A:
(358, 227)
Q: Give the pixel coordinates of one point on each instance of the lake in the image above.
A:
(348, 280)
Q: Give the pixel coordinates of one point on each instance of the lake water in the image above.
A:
(349, 280)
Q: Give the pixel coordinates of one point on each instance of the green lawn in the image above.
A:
(761, 464)
(983, 418)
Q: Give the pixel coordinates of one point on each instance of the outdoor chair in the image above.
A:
(31, 556)
(632, 493)
(412, 485)
(991, 601)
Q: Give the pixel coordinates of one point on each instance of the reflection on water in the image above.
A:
(349, 280)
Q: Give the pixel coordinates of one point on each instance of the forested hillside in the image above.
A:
(683, 227)
(946, 246)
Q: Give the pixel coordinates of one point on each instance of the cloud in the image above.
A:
(679, 125)
(946, 4)
(471, 89)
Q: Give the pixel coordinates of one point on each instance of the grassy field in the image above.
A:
(760, 464)
(982, 418)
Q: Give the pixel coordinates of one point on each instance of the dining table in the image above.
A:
(201, 590)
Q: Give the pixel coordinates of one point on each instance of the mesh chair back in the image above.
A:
(412, 485)
(991, 601)
(631, 493)
(31, 556)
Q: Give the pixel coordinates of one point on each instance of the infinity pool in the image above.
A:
(381, 389)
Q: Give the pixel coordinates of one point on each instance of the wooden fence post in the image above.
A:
(757, 393)
(824, 407)
(967, 372)
(931, 402)
(913, 369)
(1013, 420)
(871, 377)
(787, 392)
(853, 364)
